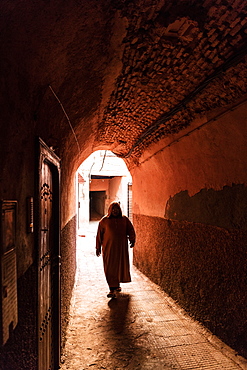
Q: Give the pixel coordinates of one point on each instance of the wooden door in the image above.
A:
(48, 261)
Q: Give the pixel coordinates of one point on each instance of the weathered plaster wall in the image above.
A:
(206, 156)
(190, 216)
(225, 208)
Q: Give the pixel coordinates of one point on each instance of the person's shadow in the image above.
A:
(122, 332)
(119, 313)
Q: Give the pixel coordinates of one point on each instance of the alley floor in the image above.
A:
(142, 329)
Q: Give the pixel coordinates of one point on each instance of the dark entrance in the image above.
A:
(97, 204)
(48, 261)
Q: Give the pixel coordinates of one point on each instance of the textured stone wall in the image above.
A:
(68, 268)
(20, 351)
(202, 267)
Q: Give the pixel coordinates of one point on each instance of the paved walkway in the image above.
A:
(142, 329)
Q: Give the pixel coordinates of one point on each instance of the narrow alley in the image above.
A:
(142, 329)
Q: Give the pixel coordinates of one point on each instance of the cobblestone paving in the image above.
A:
(142, 329)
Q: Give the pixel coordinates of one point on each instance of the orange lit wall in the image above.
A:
(190, 213)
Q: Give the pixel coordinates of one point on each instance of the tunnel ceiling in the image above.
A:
(127, 73)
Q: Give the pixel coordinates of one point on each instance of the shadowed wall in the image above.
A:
(225, 208)
(20, 351)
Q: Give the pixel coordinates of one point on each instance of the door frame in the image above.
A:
(46, 155)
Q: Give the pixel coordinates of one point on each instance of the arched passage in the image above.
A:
(163, 86)
(189, 211)
(102, 178)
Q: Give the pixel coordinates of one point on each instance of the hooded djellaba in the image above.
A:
(114, 231)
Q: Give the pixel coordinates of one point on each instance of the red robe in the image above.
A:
(113, 234)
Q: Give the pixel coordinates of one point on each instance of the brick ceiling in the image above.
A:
(181, 59)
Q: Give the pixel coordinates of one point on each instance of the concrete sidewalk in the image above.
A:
(142, 329)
